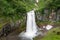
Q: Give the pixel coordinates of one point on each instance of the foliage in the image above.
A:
(50, 4)
(52, 35)
(17, 9)
(54, 4)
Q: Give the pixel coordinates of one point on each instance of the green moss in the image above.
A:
(52, 34)
(3, 21)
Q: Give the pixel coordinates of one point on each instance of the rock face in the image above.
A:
(17, 24)
(9, 27)
(5, 30)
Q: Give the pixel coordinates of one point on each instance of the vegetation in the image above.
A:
(15, 7)
(53, 34)
(15, 10)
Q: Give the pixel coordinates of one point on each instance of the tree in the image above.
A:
(15, 8)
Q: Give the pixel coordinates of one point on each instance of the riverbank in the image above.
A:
(14, 34)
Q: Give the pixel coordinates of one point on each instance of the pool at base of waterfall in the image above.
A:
(28, 36)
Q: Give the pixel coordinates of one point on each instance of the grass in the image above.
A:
(53, 34)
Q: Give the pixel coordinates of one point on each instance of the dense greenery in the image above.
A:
(15, 8)
(54, 4)
(18, 8)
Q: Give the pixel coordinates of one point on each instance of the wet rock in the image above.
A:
(5, 30)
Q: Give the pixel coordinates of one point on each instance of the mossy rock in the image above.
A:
(3, 23)
(53, 34)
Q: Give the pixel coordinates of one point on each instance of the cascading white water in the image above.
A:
(31, 28)
(31, 24)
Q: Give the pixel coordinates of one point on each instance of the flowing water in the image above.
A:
(31, 27)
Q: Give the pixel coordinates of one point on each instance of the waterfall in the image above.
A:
(31, 24)
(31, 28)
